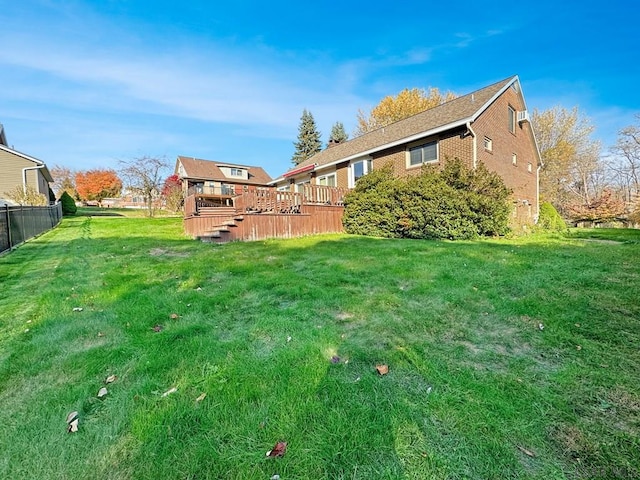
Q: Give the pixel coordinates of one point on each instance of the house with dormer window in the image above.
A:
(218, 182)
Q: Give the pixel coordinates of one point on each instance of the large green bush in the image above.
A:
(454, 202)
(68, 204)
(550, 219)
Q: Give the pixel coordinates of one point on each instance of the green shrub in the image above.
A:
(454, 202)
(550, 219)
(68, 204)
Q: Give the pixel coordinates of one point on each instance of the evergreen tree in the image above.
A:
(338, 133)
(308, 143)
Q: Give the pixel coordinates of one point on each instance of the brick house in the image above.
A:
(219, 182)
(490, 125)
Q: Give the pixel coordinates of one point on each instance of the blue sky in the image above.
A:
(87, 83)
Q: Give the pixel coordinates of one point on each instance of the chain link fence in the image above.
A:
(19, 224)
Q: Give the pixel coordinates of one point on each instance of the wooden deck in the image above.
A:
(265, 213)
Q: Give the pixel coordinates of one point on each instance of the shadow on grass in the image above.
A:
(443, 314)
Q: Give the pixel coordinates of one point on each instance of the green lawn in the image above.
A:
(507, 359)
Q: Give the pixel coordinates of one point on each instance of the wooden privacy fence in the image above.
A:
(19, 224)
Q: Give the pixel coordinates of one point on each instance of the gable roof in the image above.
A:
(38, 163)
(451, 114)
(210, 170)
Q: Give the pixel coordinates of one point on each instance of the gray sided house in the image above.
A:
(219, 182)
(489, 126)
(20, 170)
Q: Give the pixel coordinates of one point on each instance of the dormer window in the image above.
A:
(236, 172)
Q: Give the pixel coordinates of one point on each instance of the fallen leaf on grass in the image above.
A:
(72, 416)
(157, 328)
(335, 359)
(278, 450)
(528, 453)
(77, 309)
(110, 379)
(73, 426)
(170, 391)
(174, 316)
(382, 369)
(201, 397)
(102, 392)
(72, 422)
(100, 334)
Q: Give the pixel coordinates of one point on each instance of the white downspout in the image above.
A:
(475, 146)
(24, 177)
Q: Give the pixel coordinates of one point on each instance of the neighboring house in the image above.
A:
(490, 125)
(219, 182)
(20, 169)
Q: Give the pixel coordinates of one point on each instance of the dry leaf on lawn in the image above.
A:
(278, 450)
(73, 426)
(170, 391)
(201, 397)
(174, 316)
(111, 379)
(72, 416)
(529, 453)
(382, 369)
(157, 328)
(102, 392)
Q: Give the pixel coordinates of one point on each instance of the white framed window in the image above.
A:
(359, 169)
(327, 180)
(236, 172)
(512, 119)
(488, 144)
(529, 167)
(425, 153)
(300, 185)
(514, 159)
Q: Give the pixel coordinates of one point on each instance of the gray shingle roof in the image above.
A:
(451, 113)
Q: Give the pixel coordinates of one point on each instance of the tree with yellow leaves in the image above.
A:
(405, 104)
(572, 171)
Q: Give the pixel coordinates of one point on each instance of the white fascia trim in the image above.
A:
(495, 97)
(417, 136)
(23, 155)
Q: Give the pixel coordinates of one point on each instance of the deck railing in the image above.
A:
(269, 200)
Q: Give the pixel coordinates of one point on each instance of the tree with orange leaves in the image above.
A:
(98, 184)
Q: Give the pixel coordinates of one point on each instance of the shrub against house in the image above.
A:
(488, 127)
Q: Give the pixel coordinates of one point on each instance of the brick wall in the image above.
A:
(494, 123)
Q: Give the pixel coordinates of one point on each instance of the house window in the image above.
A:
(284, 188)
(529, 167)
(236, 172)
(300, 185)
(227, 189)
(327, 180)
(359, 169)
(512, 120)
(426, 153)
(488, 144)
(514, 159)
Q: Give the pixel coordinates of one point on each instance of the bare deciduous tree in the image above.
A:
(145, 176)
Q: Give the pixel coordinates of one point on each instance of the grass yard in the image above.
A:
(508, 359)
